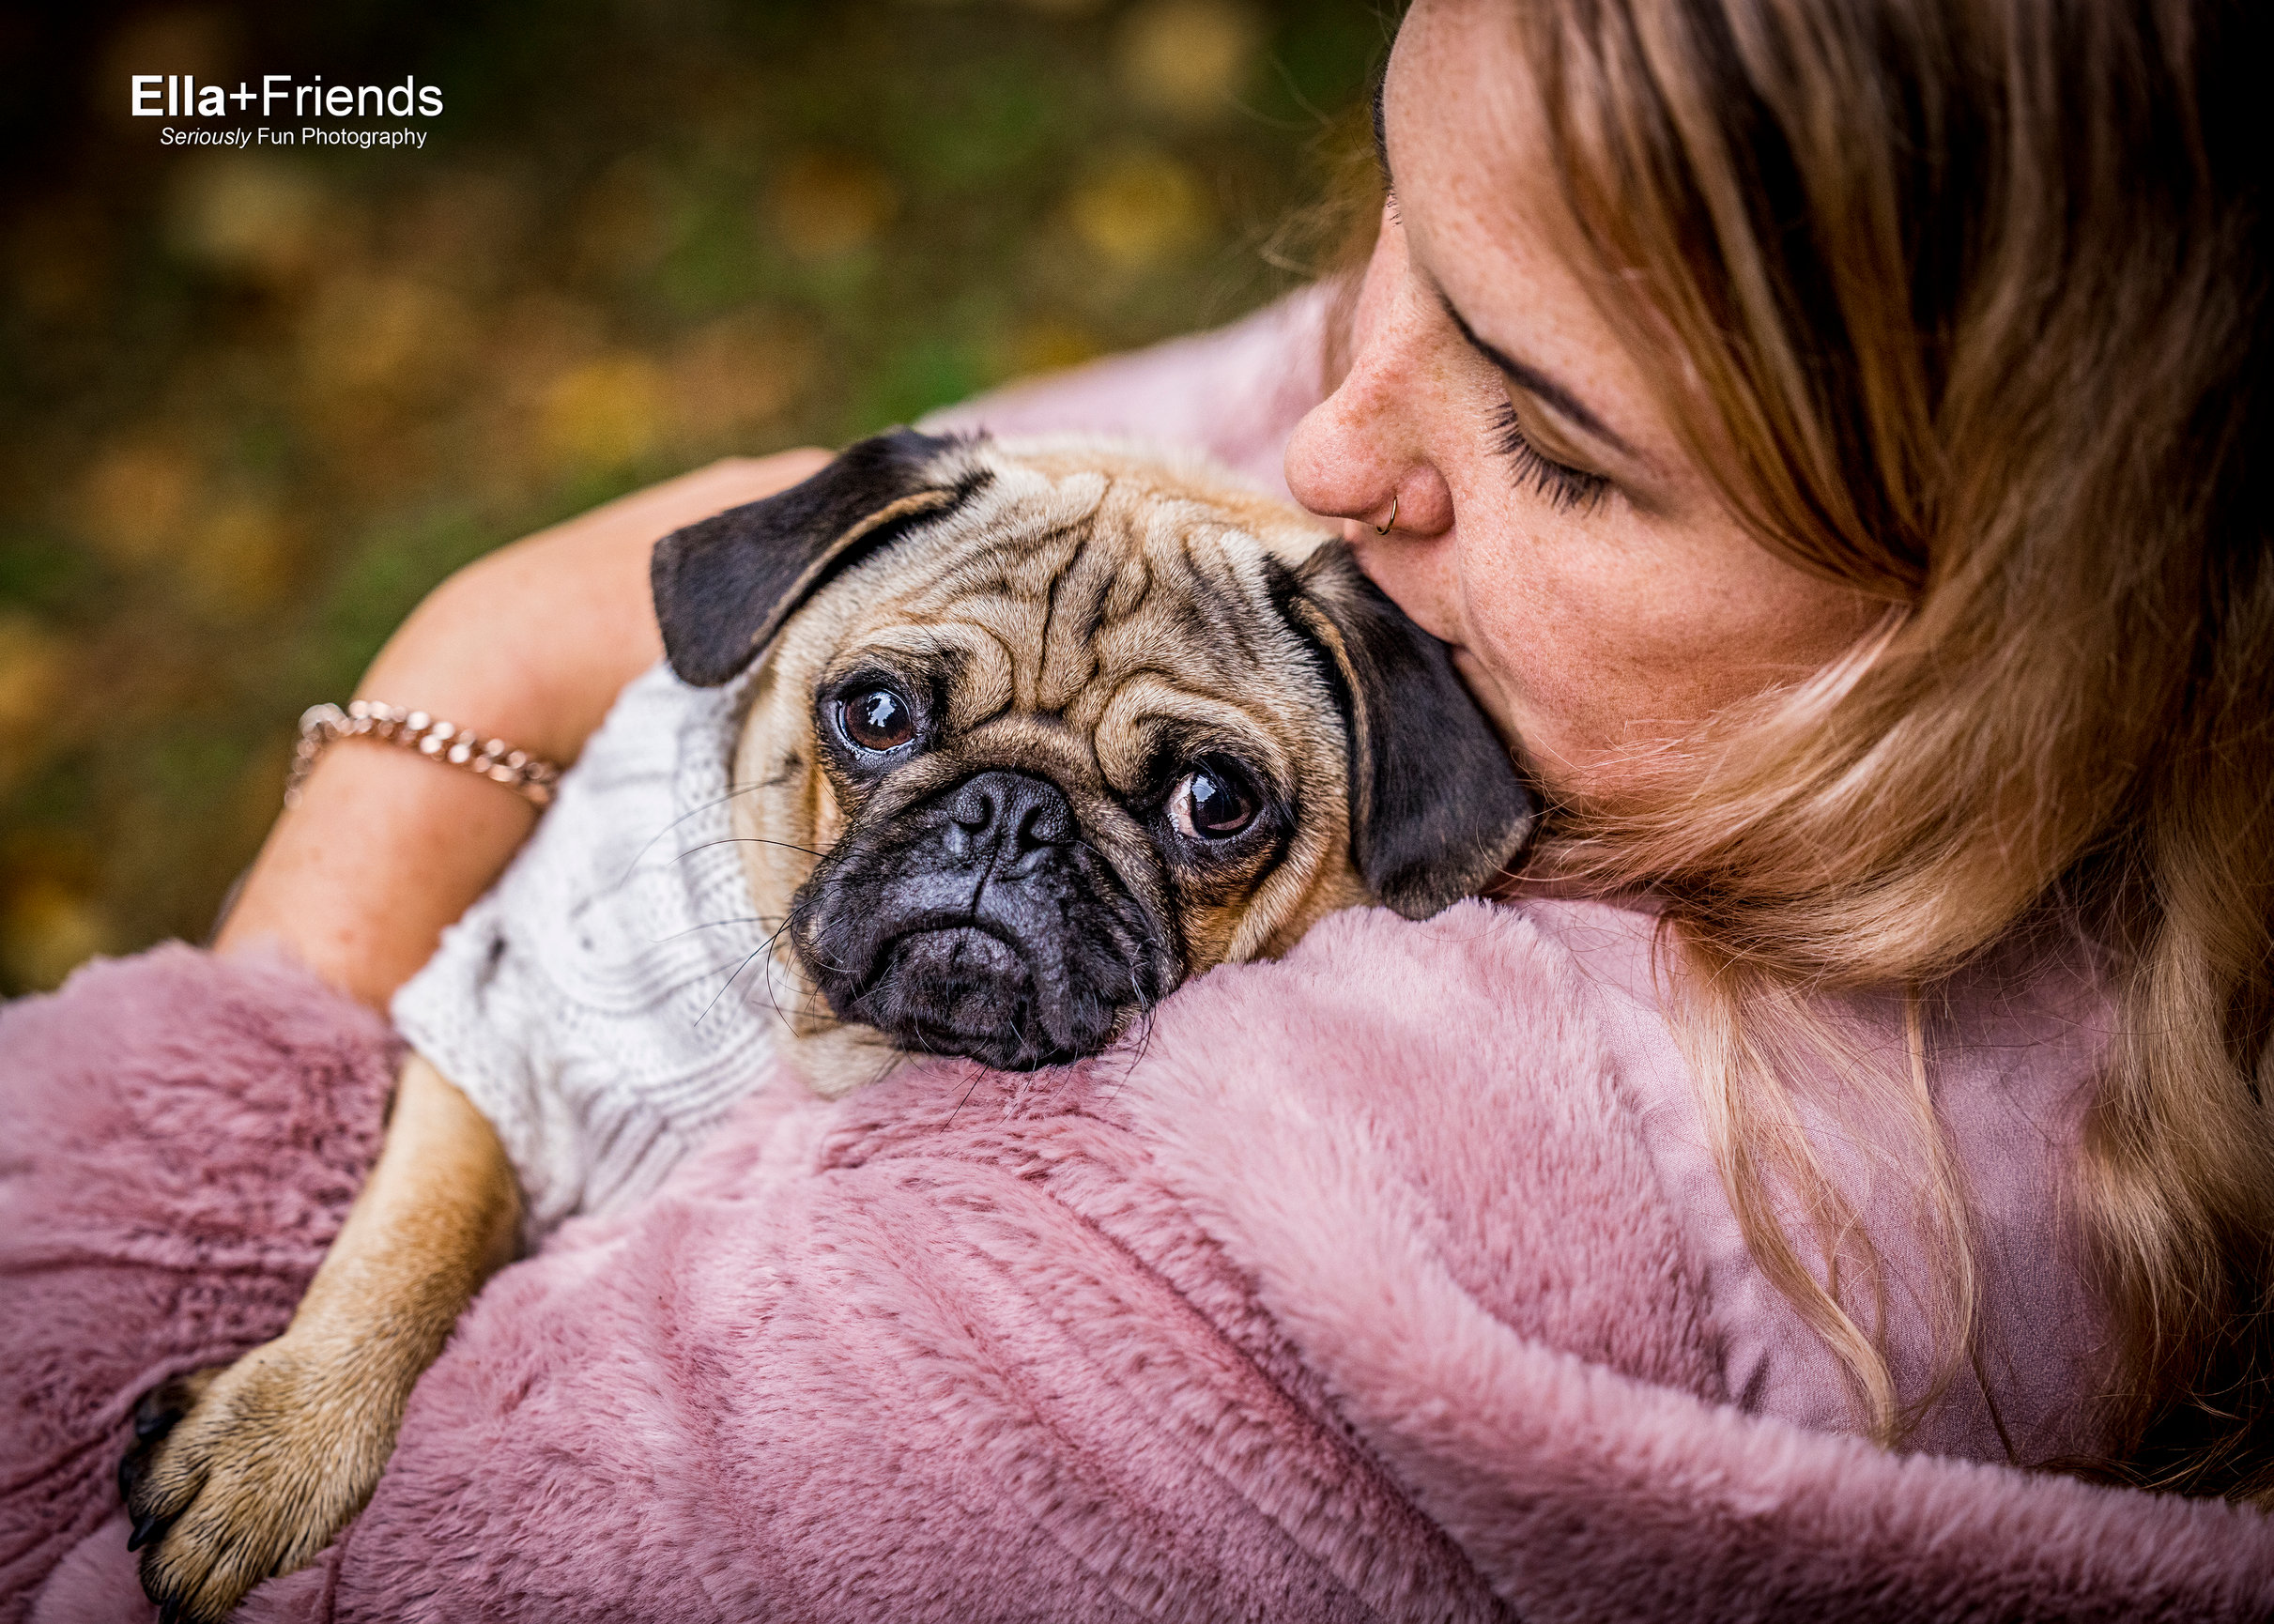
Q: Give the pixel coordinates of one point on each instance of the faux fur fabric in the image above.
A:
(1354, 1291)
(182, 1138)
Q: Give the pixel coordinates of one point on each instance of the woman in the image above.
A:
(1827, 438)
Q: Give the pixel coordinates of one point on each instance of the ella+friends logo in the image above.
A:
(180, 95)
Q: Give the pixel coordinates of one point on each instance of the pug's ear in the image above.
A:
(1436, 807)
(724, 586)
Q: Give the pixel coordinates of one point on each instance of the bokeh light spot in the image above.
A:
(1187, 60)
(257, 218)
(137, 499)
(1143, 209)
(31, 677)
(47, 930)
(605, 413)
(831, 203)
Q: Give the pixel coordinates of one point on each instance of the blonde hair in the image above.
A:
(1972, 295)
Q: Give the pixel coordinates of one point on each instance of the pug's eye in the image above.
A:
(877, 719)
(1213, 802)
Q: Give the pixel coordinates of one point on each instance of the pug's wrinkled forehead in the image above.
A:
(1043, 727)
(725, 586)
(1079, 615)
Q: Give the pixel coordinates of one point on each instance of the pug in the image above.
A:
(1032, 732)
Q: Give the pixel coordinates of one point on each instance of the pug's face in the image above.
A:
(1040, 730)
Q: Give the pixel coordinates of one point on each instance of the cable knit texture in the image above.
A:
(1353, 1292)
(611, 997)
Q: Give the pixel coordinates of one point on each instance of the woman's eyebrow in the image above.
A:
(1534, 382)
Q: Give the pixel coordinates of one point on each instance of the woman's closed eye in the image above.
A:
(1573, 490)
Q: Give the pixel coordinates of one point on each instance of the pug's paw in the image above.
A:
(242, 1472)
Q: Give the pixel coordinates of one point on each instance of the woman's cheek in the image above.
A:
(1547, 670)
(1587, 657)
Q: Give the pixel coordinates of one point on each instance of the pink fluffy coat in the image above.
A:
(1359, 1293)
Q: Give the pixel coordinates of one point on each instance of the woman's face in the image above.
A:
(1598, 596)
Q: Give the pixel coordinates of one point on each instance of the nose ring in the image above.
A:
(1383, 528)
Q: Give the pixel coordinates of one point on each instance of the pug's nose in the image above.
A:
(1007, 814)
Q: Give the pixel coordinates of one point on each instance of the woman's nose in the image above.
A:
(1359, 454)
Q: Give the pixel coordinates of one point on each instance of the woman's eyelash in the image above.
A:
(1567, 487)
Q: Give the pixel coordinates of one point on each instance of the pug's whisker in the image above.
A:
(774, 1000)
(1144, 1034)
(716, 924)
(1026, 1039)
(730, 981)
(811, 1016)
(1145, 1025)
(885, 982)
(969, 1089)
(746, 840)
(812, 956)
(806, 1020)
(766, 947)
(695, 811)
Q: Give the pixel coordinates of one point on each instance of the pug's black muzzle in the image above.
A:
(978, 923)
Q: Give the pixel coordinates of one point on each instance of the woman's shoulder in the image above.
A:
(1513, 1063)
(2027, 1020)
(1397, 1101)
(1236, 392)
(1547, 971)
(1544, 939)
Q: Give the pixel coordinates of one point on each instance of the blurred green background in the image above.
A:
(251, 408)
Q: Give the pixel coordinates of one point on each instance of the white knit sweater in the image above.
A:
(611, 996)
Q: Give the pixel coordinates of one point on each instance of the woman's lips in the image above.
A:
(1476, 676)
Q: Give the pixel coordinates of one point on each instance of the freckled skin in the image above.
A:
(1590, 633)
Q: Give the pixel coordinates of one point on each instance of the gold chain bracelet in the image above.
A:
(445, 741)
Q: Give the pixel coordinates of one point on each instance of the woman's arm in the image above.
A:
(529, 644)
